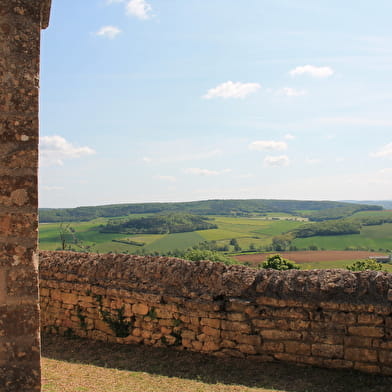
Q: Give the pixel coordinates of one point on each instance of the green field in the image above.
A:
(248, 231)
(371, 237)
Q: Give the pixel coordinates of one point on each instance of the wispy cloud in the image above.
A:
(268, 145)
(291, 92)
(289, 136)
(383, 152)
(231, 89)
(311, 70)
(276, 161)
(139, 8)
(55, 149)
(108, 32)
(205, 172)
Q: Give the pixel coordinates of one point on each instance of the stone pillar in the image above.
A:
(21, 22)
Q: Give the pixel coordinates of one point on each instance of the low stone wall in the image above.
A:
(328, 318)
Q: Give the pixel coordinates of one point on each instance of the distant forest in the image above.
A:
(313, 210)
(158, 224)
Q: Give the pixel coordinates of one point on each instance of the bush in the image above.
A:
(365, 265)
(199, 254)
(277, 262)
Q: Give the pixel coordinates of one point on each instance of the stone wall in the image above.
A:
(330, 318)
(20, 26)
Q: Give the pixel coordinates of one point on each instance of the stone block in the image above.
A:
(210, 346)
(274, 334)
(375, 332)
(20, 320)
(360, 355)
(370, 318)
(211, 331)
(385, 357)
(247, 349)
(331, 351)
(236, 326)
(358, 341)
(213, 323)
(18, 224)
(141, 309)
(297, 348)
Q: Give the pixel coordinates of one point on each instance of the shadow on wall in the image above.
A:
(207, 369)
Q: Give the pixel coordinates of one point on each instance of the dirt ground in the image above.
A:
(309, 256)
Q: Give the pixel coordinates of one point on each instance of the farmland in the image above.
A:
(247, 231)
(322, 259)
(253, 235)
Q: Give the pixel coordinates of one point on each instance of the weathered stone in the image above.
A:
(297, 348)
(279, 329)
(328, 351)
(360, 355)
(375, 332)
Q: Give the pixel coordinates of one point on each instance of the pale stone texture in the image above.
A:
(21, 22)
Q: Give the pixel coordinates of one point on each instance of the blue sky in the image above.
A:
(173, 100)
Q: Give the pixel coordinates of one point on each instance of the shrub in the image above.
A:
(277, 262)
(199, 254)
(365, 265)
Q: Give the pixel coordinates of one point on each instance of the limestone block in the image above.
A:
(370, 318)
(236, 326)
(297, 348)
(360, 355)
(375, 332)
(332, 351)
(213, 323)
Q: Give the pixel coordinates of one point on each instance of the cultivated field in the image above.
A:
(310, 256)
(322, 259)
(250, 233)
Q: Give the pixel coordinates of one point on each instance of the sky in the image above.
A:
(173, 100)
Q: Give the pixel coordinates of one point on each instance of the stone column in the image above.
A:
(21, 22)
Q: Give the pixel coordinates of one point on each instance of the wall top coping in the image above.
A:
(46, 4)
(204, 279)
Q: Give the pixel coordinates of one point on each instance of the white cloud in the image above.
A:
(147, 159)
(267, 145)
(166, 178)
(114, 1)
(316, 72)
(292, 92)
(55, 149)
(289, 136)
(139, 8)
(108, 31)
(383, 152)
(205, 172)
(276, 161)
(231, 89)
